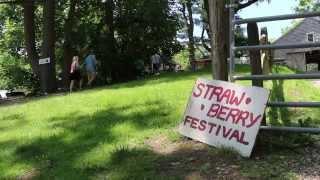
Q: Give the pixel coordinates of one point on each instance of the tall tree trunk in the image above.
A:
(219, 26)
(68, 50)
(47, 71)
(190, 25)
(109, 8)
(29, 35)
(255, 56)
(110, 40)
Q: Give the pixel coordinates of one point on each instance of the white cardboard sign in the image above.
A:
(224, 114)
(44, 61)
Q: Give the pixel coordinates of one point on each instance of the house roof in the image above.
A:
(289, 31)
(298, 34)
(299, 30)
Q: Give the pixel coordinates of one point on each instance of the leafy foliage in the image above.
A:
(182, 59)
(11, 32)
(308, 5)
(14, 74)
(139, 29)
(144, 28)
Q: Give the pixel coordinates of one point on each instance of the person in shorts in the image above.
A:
(75, 73)
(90, 64)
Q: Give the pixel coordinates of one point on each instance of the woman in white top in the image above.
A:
(75, 74)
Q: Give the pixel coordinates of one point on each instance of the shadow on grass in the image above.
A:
(9, 122)
(278, 116)
(143, 163)
(67, 154)
(32, 99)
(300, 117)
(192, 162)
(11, 117)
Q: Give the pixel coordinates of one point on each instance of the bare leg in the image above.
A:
(152, 69)
(71, 85)
(80, 83)
(91, 79)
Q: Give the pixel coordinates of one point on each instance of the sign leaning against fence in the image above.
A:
(224, 114)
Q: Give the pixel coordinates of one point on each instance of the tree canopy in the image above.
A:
(123, 34)
(308, 5)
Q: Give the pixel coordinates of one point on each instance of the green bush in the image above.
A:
(16, 74)
(182, 58)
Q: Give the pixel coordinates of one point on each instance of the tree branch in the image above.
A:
(241, 6)
(183, 10)
(11, 2)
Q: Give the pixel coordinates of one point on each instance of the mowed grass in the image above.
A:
(87, 135)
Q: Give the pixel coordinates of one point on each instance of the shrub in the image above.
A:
(182, 58)
(16, 74)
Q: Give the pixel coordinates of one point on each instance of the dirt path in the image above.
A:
(193, 160)
(11, 100)
(24, 99)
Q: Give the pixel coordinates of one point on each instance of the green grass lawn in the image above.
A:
(102, 132)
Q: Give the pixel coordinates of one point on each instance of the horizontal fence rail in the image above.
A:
(294, 104)
(278, 77)
(234, 21)
(277, 18)
(278, 60)
(291, 129)
(277, 46)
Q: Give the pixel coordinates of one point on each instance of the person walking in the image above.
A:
(75, 74)
(155, 64)
(266, 54)
(90, 64)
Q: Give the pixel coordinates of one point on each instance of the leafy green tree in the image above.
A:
(187, 13)
(123, 34)
(15, 74)
(142, 27)
(308, 5)
(11, 29)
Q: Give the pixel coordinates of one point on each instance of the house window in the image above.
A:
(310, 37)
